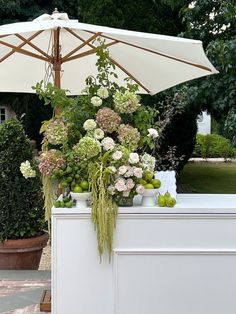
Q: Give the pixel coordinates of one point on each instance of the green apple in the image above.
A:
(69, 179)
(85, 185)
(64, 184)
(148, 175)
(143, 182)
(68, 169)
(57, 204)
(78, 189)
(156, 183)
(148, 186)
(69, 204)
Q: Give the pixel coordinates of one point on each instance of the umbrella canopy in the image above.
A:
(63, 51)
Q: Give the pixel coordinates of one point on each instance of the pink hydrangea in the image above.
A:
(122, 170)
(128, 136)
(108, 120)
(56, 132)
(138, 172)
(130, 184)
(50, 161)
(140, 189)
(120, 185)
(126, 193)
(117, 155)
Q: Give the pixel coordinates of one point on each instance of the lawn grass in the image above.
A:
(210, 178)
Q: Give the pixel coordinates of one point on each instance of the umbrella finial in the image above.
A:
(55, 11)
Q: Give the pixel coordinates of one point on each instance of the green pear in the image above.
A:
(161, 201)
(170, 201)
(167, 194)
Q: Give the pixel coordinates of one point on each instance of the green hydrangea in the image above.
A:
(87, 148)
(126, 102)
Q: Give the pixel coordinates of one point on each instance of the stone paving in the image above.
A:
(21, 291)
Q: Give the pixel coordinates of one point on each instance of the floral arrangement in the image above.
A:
(96, 144)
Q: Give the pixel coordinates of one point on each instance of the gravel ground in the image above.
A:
(45, 263)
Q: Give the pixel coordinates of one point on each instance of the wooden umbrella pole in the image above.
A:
(57, 62)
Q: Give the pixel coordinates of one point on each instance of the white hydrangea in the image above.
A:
(96, 101)
(153, 133)
(98, 134)
(27, 170)
(89, 125)
(103, 92)
(148, 162)
(133, 158)
(108, 143)
(117, 155)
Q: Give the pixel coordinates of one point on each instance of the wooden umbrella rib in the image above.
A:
(78, 37)
(20, 46)
(158, 53)
(28, 42)
(86, 53)
(130, 75)
(23, 51)
(80, 46)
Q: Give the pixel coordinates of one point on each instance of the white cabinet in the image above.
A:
(167, 261)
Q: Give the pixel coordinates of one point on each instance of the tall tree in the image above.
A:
(214, 22)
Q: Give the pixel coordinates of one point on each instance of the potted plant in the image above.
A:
(22, 235)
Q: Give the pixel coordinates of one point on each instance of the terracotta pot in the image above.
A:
(23, 253)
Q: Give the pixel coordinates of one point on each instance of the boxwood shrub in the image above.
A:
(213, 146)
(21, 200)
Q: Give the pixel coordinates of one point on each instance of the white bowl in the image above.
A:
(81, 198)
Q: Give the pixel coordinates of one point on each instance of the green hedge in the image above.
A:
(21, 200)
(213, 146)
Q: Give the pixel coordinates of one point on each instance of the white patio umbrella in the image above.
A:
(60, 50)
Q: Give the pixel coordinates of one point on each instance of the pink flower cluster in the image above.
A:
(128, 136)
(56, 132)
(108, 120)
(51, 161)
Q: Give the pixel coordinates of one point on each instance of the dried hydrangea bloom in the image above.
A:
(87, 148)
(56, 132)
(126, 102)
(128, 136)
(108, 120)
(50, 161)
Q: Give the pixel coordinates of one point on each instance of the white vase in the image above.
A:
(168, 182)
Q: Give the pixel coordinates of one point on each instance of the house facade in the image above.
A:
(6, 113)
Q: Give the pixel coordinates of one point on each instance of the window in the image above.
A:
(3, 115)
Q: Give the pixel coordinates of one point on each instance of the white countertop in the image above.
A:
(186, 203)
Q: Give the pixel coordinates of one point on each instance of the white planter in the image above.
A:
(168, 182)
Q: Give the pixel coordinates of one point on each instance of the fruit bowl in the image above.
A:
(149, 197)
(81, 198)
